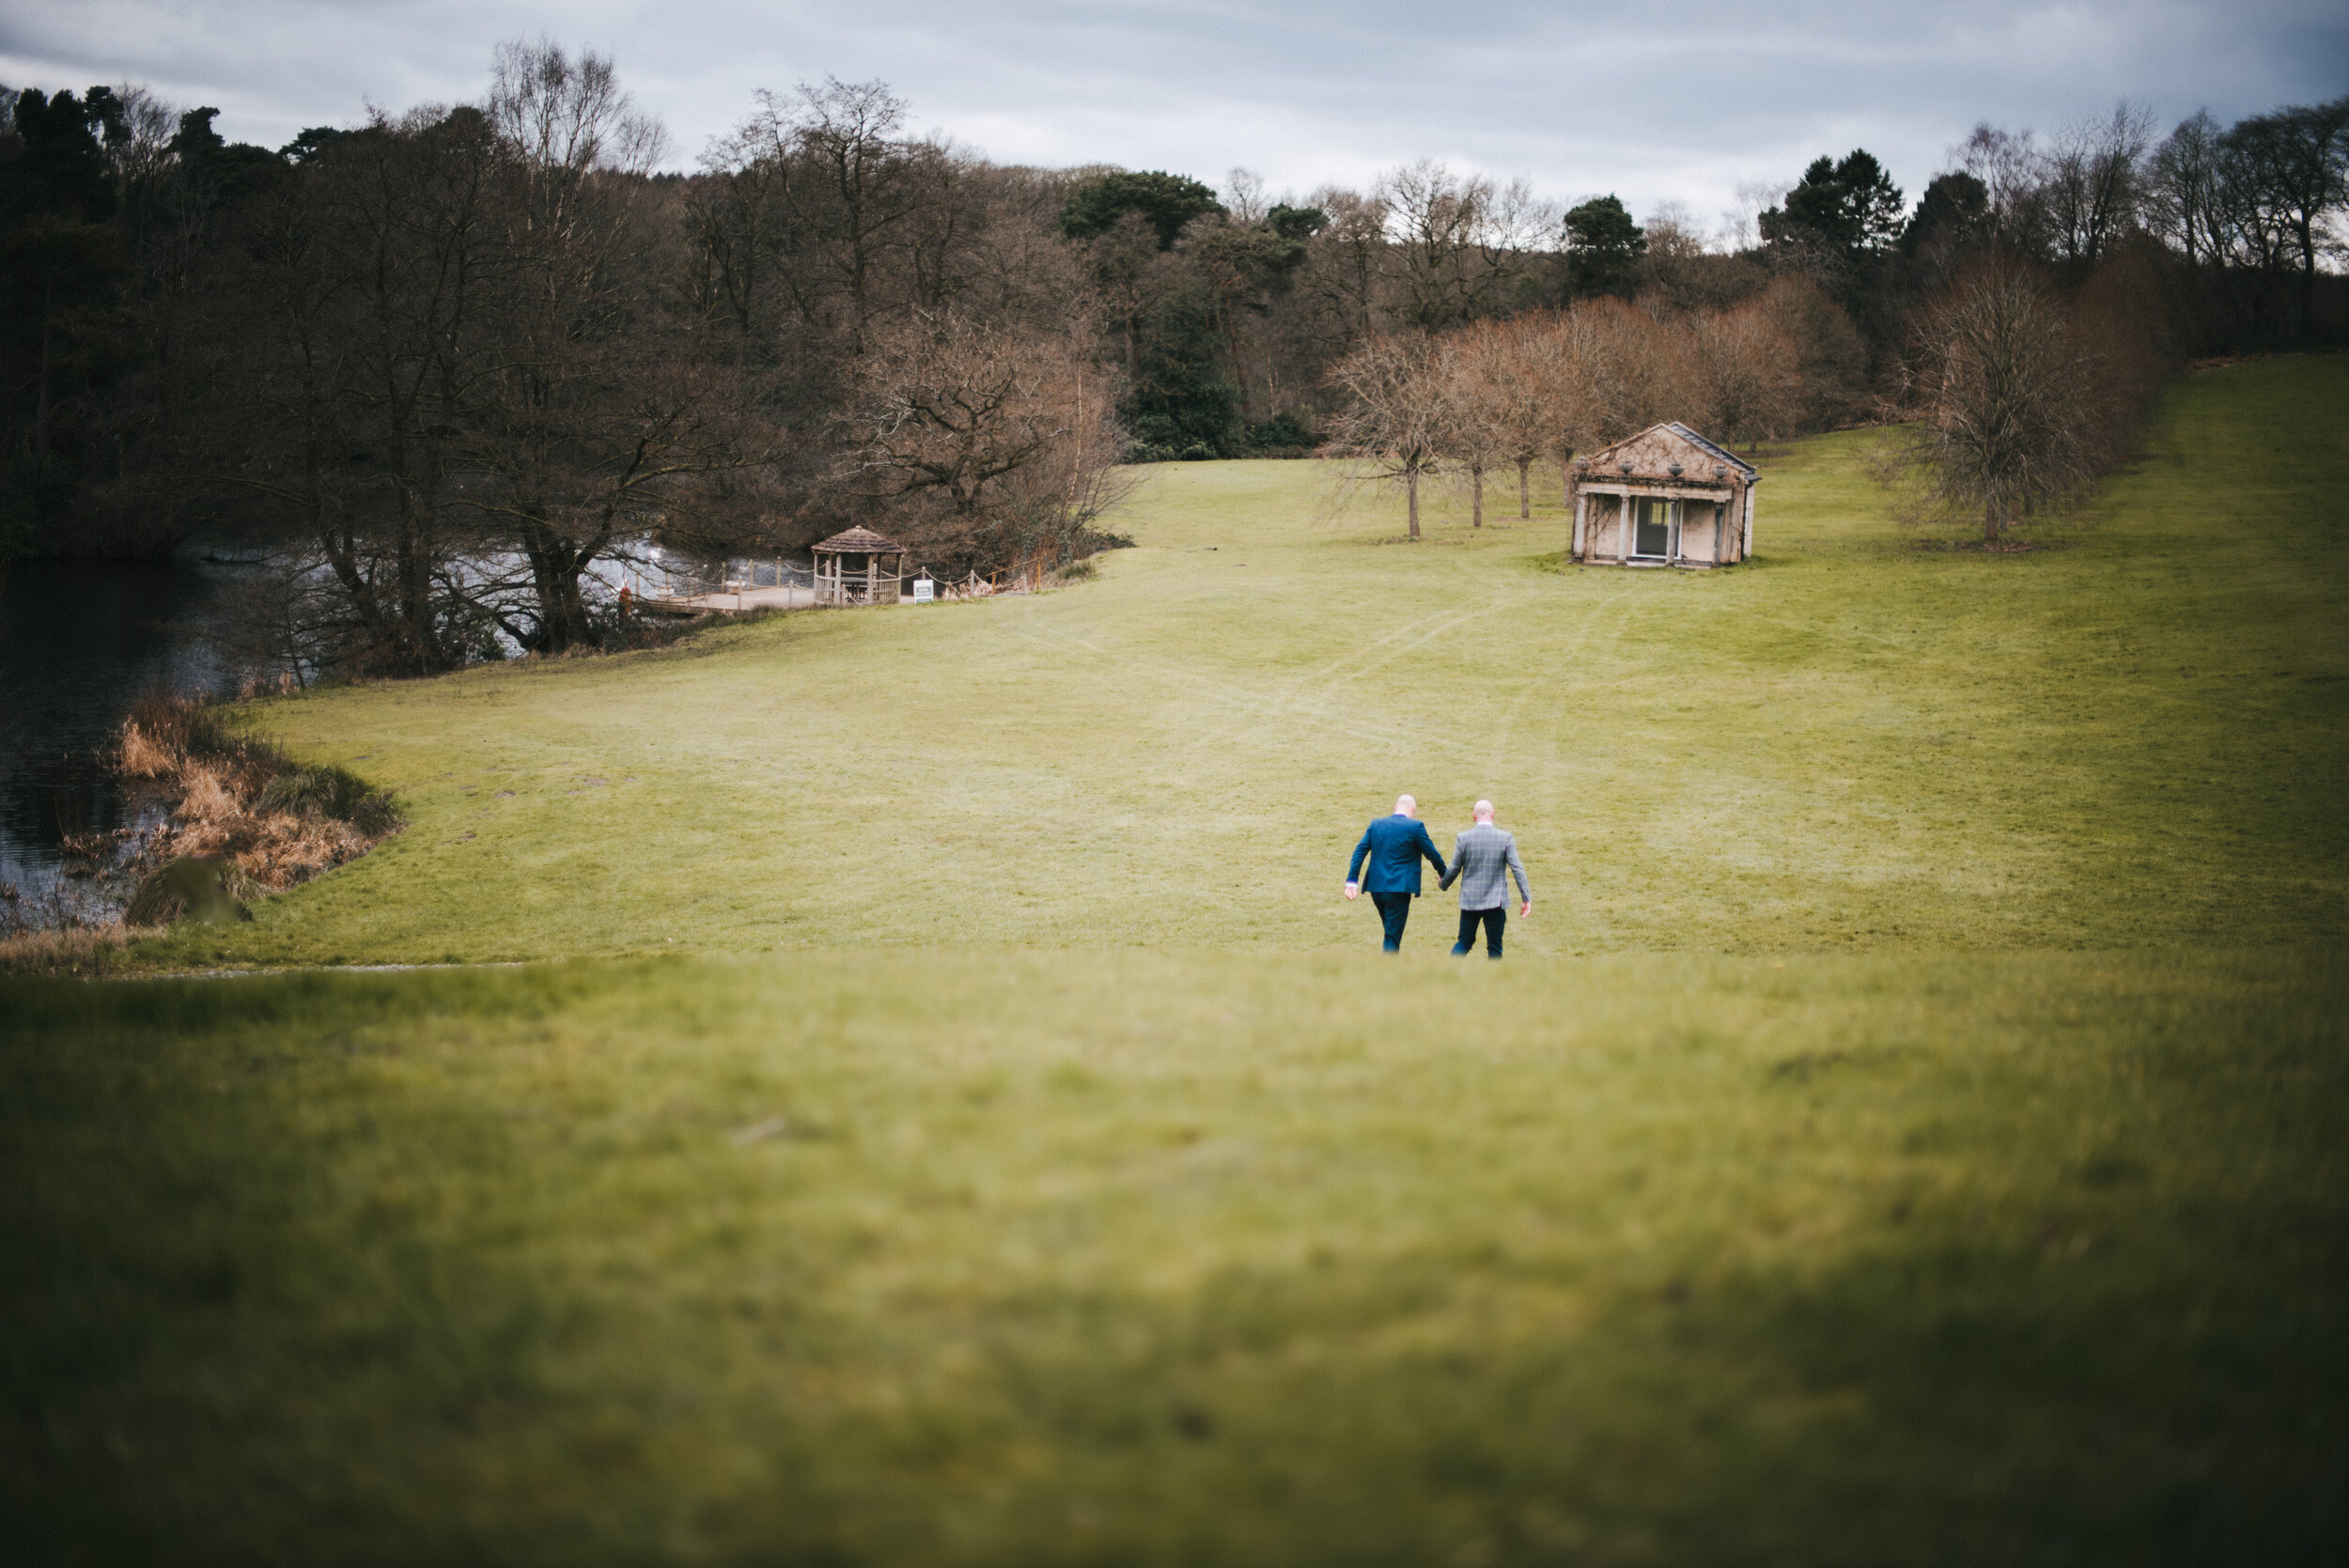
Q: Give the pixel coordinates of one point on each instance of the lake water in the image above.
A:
(78, 642)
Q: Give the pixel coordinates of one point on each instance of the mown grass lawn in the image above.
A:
(1908, 1130)
(2135, 738)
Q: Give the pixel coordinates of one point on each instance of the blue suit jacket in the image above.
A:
(1394, 845)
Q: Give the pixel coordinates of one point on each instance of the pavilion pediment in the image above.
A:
(1655, 453)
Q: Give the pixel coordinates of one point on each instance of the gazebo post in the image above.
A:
(830, 573)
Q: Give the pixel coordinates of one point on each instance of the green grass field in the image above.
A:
(2132, 739)
(968, 1127)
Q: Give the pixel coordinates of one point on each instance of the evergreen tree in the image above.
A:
(1851, 206)
(1167, 202)
(1603, 249)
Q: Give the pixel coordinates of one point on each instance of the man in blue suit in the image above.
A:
(1394, 845)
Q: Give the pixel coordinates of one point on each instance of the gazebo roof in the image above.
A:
(860, 541)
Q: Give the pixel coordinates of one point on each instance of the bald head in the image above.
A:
(1404, 806)
(1482, 811)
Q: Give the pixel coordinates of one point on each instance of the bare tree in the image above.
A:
(1627, 365)
(2291, 171)
(821, 198)
(589, 417)
(1742, 372)
(1538, 398)
(2000, 391)
(1740, 226)
(1454, 241)
(1830, 357)
(2183, 200)
(1345, 272)
(2013, 171)
(865, 187)
(385, 359)
(1438, 228)
(989, 444)
(1674, 250)
(1472, 376)
(1243, 196)
(2091, 178)
(1392, 427)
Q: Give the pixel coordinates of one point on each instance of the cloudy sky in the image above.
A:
(1682, 102)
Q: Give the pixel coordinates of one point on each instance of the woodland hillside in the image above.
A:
(448, 367)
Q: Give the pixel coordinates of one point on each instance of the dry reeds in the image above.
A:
(137, 757)
(81, 951)
(274, 823)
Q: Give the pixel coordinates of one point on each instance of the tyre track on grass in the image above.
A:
(1616, 616)
(1290, 700)
(1225, 694)
(1291, 703)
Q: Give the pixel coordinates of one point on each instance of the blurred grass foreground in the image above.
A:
(1909, 1132)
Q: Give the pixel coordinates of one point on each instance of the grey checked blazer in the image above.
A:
(1484, 859)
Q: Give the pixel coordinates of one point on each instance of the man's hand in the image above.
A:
(1525, 909)
(1353, 890)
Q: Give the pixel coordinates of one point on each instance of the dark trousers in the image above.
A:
(1394, 908)
(1496, 921)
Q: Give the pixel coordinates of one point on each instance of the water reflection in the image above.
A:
(78, 642)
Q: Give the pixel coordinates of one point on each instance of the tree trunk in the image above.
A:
(2308, 280)
(555, 568)
(1410, 486)
(41, 409)
(1525, 488)
(1239, 371)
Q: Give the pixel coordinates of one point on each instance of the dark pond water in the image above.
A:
(78, 642)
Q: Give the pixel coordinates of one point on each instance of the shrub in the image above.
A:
(206, 885)
(330, 794)
(1283, 435)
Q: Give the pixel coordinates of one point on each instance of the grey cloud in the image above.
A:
(1661, 102)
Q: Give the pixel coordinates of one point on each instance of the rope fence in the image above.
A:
(653, 586)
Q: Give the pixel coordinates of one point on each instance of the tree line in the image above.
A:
(2010, 332)
(449, 367)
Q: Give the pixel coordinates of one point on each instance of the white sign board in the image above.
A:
(924, 590)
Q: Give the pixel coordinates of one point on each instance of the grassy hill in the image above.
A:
(1853, 743)
(1026, 1157)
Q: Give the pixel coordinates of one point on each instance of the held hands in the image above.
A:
(1353, 890)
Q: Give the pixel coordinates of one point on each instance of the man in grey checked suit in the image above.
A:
(1482, 859)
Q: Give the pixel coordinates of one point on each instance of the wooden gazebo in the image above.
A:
(858, 566)
(1666, 497)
